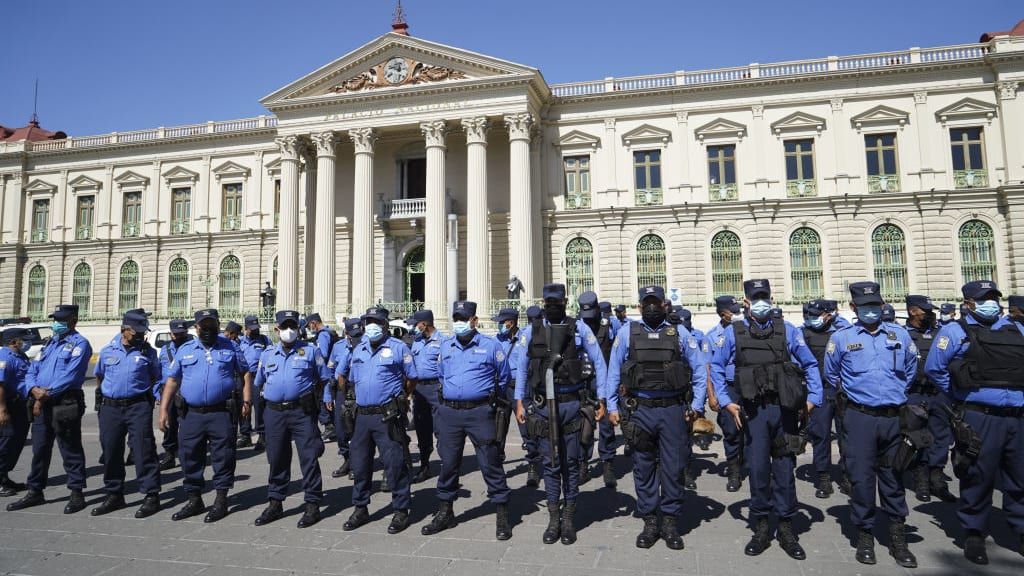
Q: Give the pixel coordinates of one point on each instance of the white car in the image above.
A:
(38, 334)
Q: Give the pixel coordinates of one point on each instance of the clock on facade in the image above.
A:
(396, 70)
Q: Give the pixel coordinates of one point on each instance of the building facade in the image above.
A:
(410, 172)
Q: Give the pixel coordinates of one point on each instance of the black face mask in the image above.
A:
(354, 340)
(929, 319)
(653, 315)
(137, 340)
(555, 313)
(208, 336)
(593, 323)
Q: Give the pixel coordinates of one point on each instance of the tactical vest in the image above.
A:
(923, 342)
(763, 366)
(818, 343)
(995, 358)
(656, 363)
(569, 369)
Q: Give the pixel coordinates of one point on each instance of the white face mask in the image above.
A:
(288, 335)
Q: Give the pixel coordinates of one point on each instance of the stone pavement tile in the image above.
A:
(533, 551)
(656, 559)
(138, 567)
(405, 544)
(300, 559)
(462, 567)
(886, 566)
(12, 559)
(388, 565)
(455, 548)
(61, 564)
(284, 533)
(772, 562)
(33, 519)
(32, 539)
(582, 571)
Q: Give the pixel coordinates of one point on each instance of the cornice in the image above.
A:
(143, 144)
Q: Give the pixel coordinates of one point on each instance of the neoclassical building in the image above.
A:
(410, 171)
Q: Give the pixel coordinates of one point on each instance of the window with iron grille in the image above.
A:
(131, 222)
(81, 288)
(726, 264)
(230, 283)
(181, 210)
(84, 214)
(968, 149)
(579, 266)
(977, 251)
(128, 287)
(650, 261)
(177, 288)
(889, 253)
(805, 264)
(647, 177)
(40, 220)
(577, 182)
(231, 215)
(36, 291)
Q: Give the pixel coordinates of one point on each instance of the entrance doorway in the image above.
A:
(415, 275)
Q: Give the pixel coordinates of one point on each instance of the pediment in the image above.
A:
(394, 62)
(130, 178)
(797, 122)
(84, 181)
(180, 173)
(229, 168)
(967, 108)
(880, 115)
(721, 128)
(38, 186)
(272, 167)
(646, 133)
(578, 139)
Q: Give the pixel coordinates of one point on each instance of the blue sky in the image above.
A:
(106, 65)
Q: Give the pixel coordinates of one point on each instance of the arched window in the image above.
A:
(889, 252)
(230, 297)
(81, 288)
(650, 261)
(726, 264)
(128, 286)
(36, 291)
(177, 288)
(977, 251)
(805, 264)
(579, 266)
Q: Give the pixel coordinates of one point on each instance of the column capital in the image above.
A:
(476, 129)
(326, 143)
(1008, 89)
(308, 153)
(837, 104)
(519, 125)
(920, 98)
(364, 139)
(290, 146)
(434, 133)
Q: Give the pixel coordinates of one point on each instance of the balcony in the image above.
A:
(882, 183)
(970, 178)
(723, 192)
(231, 223)
(405, 209)
(649, 197)
(179, 227)
(801, 188)
(83, 232)
(39, 235)
(577, 201)
(130, 230)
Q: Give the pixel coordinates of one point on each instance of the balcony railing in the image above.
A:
(130, 230)
(882, 183)
(405, 208)
(179, 227)
(801, 188)
(83, 232)
(577, 201)
(648, 197)
(970, 178)
(231, 223)
(723, 192)
(39, 235)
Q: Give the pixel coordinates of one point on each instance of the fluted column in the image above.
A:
(437, 223)
(323, 269)
(478, 249)
(521, 202)
(288, 229)
(362, 219)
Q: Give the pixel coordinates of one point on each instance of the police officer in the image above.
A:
(661, 374)
(13, 418)
(733, 438)
(253, 344)
(179, 335)
(233, 332)
(947, 313)
(620, 315)
(507, 320)
(425, 352)
(776, 384)
(324, 340)
(1015, 309)
(474, 372)
(381, 367)
(875, 362)
(559, 344)
(335, 396)
(888, 313)
(54, 386)
(201, 380)
(601, 326)
(979, 361)
(287, 376)
(127, 373)
(819, 325)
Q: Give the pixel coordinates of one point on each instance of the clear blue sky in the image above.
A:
(106, 65)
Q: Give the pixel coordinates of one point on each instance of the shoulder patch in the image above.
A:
(831, 347)
(591, 339)
(943, 343)
(407, 359)
(913, 348)
(800, 342)
(692, 342)
(76, 351)
(670, 331)
(302, 351)
(3, 364)
(499, 356)
(319, 360)
(386, 353)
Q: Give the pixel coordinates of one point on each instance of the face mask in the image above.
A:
(653, 315)
(461, 328)
(416, 331)
(208, 336)
(374, 332)
(25, 345)
(814, 322)
(946, 317)
(59, 328)
(555, 313)
(137, 339)
(869, 314)
(503, 329)
(760, 309)
(289, 335)
(987, 309)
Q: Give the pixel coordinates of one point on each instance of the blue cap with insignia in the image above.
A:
(420, 316)
(757, 288)
(533, 313)
(463, 309)
(922, 302)
(620, 308)
(864, 293)
(888, 313)
(283, 316)
(727, 302)
(605, 306)
(136, 321)
(376, 313)
(978, 289)
(588, 305)
(179, 326)
(252, 323)
(506, 314)
(64, 312)
(554, 292)
(207, 313)
(815, 308)
(233, 327)
(354, 327)
(652, 292)
(314, 317)
(11, 334)
(947, 308)
(1015, 302)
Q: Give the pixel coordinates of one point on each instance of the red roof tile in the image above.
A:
(1017, 30)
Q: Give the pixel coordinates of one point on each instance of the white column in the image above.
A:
(1011, 114)
(437, 221)
(201, 199)
(837, 138)
(924, 155)
(150, 203)
(520, 242)
(254, 193)
(478, 246)
(362, 219)
(309, 226)
(323, 268)
(288, 231)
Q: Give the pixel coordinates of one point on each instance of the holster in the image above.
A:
(30, 404)
(502, 416)
(787, 444)
(536, 426)
(395, 416)
(635, 436)
(914, 425)
(792, 388)
(588, 423)
(234, 408)
(903, 456)
(309, 403)
(180, 405)
(68, 412)
(97, 398)
(967, 442)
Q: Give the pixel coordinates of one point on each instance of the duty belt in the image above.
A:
(123, 402)
(282, 406)
(466, 404)
(562, 396)
(764, 399)
(1003, 411)
(429, 381)
(371, 409)
(218, 407)
(883, 411)
(659, 402)
(927, 389)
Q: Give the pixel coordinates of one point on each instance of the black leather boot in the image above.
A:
(670, 534)
(568, 528)
(310, 516)
(651, 532)
(219, 508)
(167, 462)
(261, 443)
(111, 503)
(533, 475)
(273, 511)
(866, 547)
(788, 541)
(761, 538)
(359, 517)
(735, 481)
(503, 523)
(193, 507)
(609, 475)
(824, 485)
(922, 488)
(444, 518)
(584, 473)
(554, 529)
(399, 522)
(898, 545)
(939, 486)
(76, 502)
(974, 548)
(342, 470)
(150, 506)
(244, 441)
(30, 499)
(424, 472)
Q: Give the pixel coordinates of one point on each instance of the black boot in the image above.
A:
(219, 508)
(824, 486)
(735, 482)
(670, 534)
(554, 529)
(385, 485)
(150, 506)
(9, 487)
(609, 475)
(568, 528)
(503, 524)
(650, 533)
(342, 470)
(974, 548)
(329, 435)
(167, 462)
(273, 511)
(244, 441)
(443, 519)
(193, 507)
(310, 516)
(584, 472)
(898, 545)
(845, 486)
(76, 502)
(399, 522)
(866, 547)
(533, 475)
(359, 517)
(30, 499)
(110, 503)
(788, 541)
(689, 480)
(922, 489)
(261, 443)
(761, 539)
(939, 486)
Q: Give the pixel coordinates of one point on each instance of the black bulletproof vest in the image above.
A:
(923, 342)
(659, 363)
(818, 343)
(995, 358)
(605, 339)
(763, 366)
(569, 371)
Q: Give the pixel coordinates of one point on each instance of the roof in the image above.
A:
(1017, 30)
(31, 133)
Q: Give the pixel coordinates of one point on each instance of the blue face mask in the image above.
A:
(869, 314)
(987, 309)
(416, 330)
(461, 327)
(59, 328)
(815, 322)
(760, 309)
(503, 329)
(374, 332)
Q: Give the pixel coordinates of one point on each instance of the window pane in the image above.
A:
(641, 178)
(790, 145)
(956, 134)
(872, 158)
(730, 172)
(713, 175)
(888, 139)
(958, 157)
(977, 251)
(570, 184)
(890, 261)
(639, 157)
(585, 182)
(650, 261)
(655, 176)
(976, 161)
(889, 161)
(726, 264)
(808, 166)
(790, 167)
(655, 155)
(729, 150)
(806, 263)
(974, 133)
(579, 266)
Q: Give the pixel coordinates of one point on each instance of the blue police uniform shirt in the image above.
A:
(723, 357)
(166, 357)
(470, 372)
(873, 369)
(508, 346)
(586, 342)
(689, 348)
(252, 349)
(951, 344)
(13, 369)
(379, 374)
(127, 372)
(323, 341)
(615, 323)
(207, 375)
(715, 338)
(61, 365)
(284, 375)
(426, 354)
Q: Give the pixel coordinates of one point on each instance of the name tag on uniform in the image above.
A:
(927, 336)
(854, 346)
(479, 351)
(653, 335)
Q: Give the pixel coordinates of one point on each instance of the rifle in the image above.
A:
(968, 442)
(554, 427)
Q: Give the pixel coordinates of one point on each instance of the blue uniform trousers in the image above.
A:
(283, 428)
(134, 423)
(71, 451)
(819, 429)
(424, 407)
(772, 483)
(339, 426)
(195, 431)
(170, 441)
(370, 433)
(1002, 458)
(605, 441)
(732, 437)
(869, 441)
(557, 483)
(13, 436)
(453, 426)
(532, 449)
(936, 455)
(656, 474)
